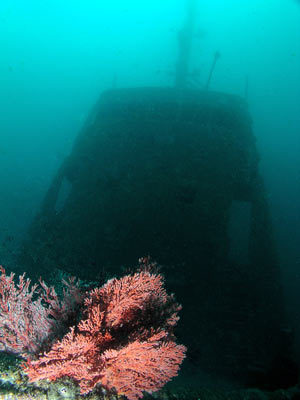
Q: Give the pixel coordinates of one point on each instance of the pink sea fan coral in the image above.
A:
(142, 366)
(28, 316)
(124, 342)
(24, 322)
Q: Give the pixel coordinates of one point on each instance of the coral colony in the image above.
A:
(123, 343)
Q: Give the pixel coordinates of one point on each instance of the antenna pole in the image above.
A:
(212, 68)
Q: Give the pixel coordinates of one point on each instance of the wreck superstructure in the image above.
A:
(171, 173)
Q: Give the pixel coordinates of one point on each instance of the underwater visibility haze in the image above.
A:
(149, 148)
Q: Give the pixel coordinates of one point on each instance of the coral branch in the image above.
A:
(30, 317)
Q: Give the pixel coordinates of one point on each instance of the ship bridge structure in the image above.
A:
(171, 173)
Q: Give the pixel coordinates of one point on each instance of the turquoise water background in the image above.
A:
(56, 57)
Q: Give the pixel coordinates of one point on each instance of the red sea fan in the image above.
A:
(24, 322)
(123, 299)
(73, 356)
(29, 316)
(124, 343)
(142, 366)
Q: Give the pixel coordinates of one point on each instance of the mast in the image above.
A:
(185, 36)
